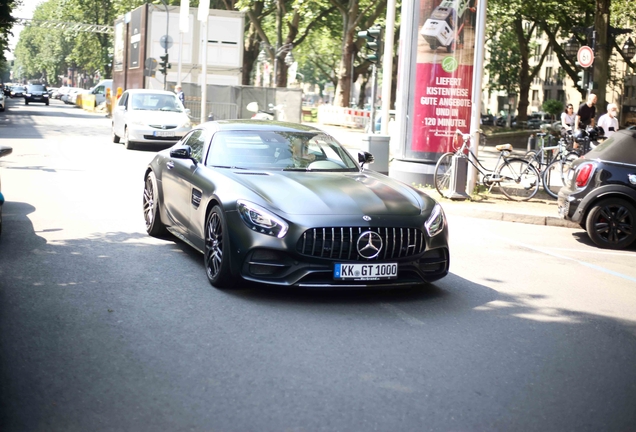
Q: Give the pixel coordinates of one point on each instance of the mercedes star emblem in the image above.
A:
(366, 218)
(369, 244)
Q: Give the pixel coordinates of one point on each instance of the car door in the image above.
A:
(176, 182)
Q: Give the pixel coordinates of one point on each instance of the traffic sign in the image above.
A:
(585, 56)
(166, 42)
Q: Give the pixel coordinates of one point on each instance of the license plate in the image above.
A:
(163, 133)
(365, 271)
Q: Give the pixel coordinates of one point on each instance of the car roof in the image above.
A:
(256, 125)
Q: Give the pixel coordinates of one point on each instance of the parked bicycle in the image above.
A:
(552, 161)
(515, 177)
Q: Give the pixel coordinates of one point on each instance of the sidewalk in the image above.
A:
(541, 210)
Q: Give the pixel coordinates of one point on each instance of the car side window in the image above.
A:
(196, 141)
(99, 90)
(123, 99)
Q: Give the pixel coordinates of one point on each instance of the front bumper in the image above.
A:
(147, 134)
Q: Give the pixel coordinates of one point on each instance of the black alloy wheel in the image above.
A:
(154, 226)
(610, 223)
(217, 250)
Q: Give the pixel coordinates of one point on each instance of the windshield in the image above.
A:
(275, 150)
(18, 88)
(156, 102)
(33, 88)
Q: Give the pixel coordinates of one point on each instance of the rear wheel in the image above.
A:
(443, 173)
(517, 179)
(152, 216)
(553, 177)
(217, 250)
(610, 223)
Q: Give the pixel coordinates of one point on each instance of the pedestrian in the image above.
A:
(586, 113)
(608, 121)
(180, 94)
(568, 117)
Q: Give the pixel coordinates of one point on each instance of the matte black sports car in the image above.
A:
(600, 192)
(285, 204)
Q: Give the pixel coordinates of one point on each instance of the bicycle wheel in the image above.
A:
(443, 173)
(518, 179)
(553, 177)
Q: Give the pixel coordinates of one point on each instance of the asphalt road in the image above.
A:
(104, 328)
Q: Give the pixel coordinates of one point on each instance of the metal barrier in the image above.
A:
(215, 110)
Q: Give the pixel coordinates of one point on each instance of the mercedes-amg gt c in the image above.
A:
(285, 204)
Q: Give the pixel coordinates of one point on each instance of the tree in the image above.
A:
(552, 107)
(6, 22)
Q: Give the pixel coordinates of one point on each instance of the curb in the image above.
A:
(510, 216)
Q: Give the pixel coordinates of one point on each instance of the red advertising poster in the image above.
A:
(444, 75)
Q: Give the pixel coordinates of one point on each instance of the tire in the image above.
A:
(151, 205)
(433, 45)
(217, 250)
(26, 103)
(114, 135)
(443, 173)
(127, 143)
(518, 179)
(611, 223)
(47, 104)
(554, 177)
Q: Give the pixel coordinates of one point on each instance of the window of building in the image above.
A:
(547, 95)
(548, 74)
(561, 95)
(535, 95)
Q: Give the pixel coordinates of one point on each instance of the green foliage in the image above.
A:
(553, 107)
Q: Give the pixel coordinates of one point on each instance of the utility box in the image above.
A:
(378, 146)
(458, 180)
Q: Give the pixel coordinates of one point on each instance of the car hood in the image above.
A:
(158, 117)
(306, 193)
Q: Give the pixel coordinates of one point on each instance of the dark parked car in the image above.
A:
(487, 120)
(4, 151)
(285, 204)
(600, 192)
(17, 91)
(36, 93)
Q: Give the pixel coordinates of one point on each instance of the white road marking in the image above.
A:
(583, 263)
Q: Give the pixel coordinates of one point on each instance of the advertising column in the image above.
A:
(434, 85)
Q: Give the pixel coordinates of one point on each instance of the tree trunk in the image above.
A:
(603, 51)
(343, 89)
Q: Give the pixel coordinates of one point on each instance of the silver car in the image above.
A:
(149, 116)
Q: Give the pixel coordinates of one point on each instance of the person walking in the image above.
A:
(180, 94)
(586, 114)
(608, 121)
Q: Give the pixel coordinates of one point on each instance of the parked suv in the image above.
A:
(36, 93)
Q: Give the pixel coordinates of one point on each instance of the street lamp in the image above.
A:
(571, 47)
(629, 49)
(286, 48)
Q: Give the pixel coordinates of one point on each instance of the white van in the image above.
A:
(100, 91)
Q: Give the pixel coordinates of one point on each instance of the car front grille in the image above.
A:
(341, 243)
(163, 127)
(160, 138)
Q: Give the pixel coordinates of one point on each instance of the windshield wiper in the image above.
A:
(296, 169)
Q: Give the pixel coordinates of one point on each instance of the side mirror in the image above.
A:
(5, 151)
(252, 107)
(365, 158)
(182, 152)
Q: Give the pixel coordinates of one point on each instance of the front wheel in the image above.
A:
(610, 223)
(152, 216)
(518, 179)
(217, 250)
(127, 143)
(443, 174)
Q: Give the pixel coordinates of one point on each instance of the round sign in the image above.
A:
(585, 56)
(165, 41)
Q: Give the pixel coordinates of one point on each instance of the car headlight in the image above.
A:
(28, 95)
(260, 220)
(435, 223)
(45, 95)
(186, 124)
